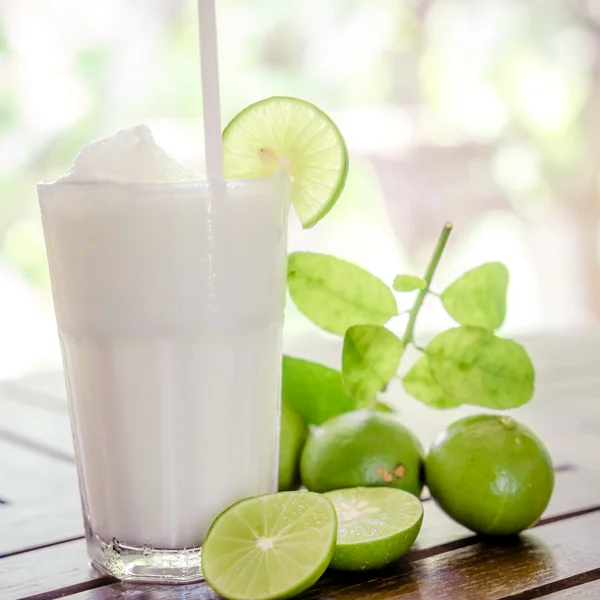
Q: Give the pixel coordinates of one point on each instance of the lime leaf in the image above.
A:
(370, 358)
(383, 407)
(474, 366)
(313, 390)
(336, 294)
(479, 296)
(409, 283)
(379, 406)
(420, 383)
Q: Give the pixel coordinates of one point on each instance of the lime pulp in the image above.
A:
(268, 547)
(375, 526)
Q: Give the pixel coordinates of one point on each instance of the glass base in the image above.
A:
(145, 564)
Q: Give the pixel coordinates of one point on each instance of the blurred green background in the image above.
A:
(486, 113)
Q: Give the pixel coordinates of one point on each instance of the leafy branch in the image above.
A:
(468, 364)
(435, 259)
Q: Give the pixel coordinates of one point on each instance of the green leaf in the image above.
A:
(380, 406)
(420, 383)
(315, 391)
(383, 407)
(336, 294)
(479, 296)
(370, 358)
(474, 366)
(409, 283)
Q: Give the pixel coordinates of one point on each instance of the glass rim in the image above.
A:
(203, 184)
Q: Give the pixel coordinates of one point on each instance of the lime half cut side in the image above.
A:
(272, 546)
(375, 526)
(283, 135)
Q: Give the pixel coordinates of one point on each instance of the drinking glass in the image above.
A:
(169, 300)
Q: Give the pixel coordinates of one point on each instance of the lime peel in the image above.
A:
(491, 474)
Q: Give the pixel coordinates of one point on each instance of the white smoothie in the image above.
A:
(169, 299)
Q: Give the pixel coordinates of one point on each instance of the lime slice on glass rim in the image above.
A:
(375, 526)
(287, 135)
(268, 547)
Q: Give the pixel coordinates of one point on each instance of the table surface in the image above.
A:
(42, 551)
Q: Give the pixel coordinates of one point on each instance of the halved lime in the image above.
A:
(272, 546)
(375, 526)
(288, 135)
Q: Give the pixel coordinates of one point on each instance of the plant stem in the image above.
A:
(433, 263)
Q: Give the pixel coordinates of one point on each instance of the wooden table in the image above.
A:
(42, 552)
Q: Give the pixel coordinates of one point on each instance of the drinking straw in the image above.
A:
(211, 106)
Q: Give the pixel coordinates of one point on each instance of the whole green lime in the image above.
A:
(292, 436)
(491, 474)
(362, 448)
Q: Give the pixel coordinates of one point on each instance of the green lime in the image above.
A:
(375, 526)
(272, 546)
(291, 440)
(362, 448)
(288, 135)
(491, 474)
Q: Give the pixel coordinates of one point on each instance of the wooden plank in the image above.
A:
(45, 430)
(575, 492)
(556, 426)
(20, 392)
(567, 440)
(26, 527)
(569, 429)
(563, 352)
(48, 569)
(50, 384)
(27, 475)
(560, 553)
(523, 568)
(565, 436)
(42, 498)
(120, 591)
(551, 354)
(563, 362)
(587, 591)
